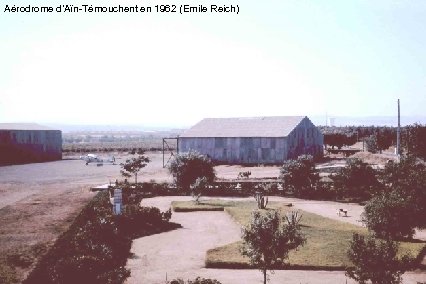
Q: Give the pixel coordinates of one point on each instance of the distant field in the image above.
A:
(83, 142)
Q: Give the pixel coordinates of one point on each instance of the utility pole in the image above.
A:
(398, 133)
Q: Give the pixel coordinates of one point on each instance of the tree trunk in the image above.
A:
(136, 178)
(264, 276)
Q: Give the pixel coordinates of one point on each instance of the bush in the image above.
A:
(389, 215)
(394, 212)
(415, 142)
(186, 168)
(371, 144)
(96, 247)
(408, 178)
(356, 180)
(197, 187)
(375, 260)
(134, 222)
(197, 280)
(299, 176)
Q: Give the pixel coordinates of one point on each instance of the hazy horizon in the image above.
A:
(317, 120)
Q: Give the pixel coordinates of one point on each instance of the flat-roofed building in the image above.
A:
(29, 142)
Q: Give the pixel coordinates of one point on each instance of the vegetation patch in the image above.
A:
(327, 242)
(97, 245)
(203, 205)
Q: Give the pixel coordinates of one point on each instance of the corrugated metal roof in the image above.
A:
(23, 126)
(272, 126)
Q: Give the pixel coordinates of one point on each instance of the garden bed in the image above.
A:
(205, 205)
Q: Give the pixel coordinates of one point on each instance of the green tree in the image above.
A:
(269, 237)
(408, 178)
(381, 140)
(375, 261)
(335, 139)
(371, 144)
(186, 168)
(386, 136)
(133, 166)
(389, 215)
(415, 142)
(357, 179)
(299, 176)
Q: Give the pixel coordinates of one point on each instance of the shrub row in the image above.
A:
(323, 191)
(97, 245)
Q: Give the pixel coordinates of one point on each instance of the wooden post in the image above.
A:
(398, 133)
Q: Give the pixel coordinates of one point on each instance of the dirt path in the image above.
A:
(181, 253)
(177, 252)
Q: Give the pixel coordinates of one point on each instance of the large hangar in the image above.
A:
(253, 140)
(29, 142)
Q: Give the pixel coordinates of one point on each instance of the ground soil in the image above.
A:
(38, 202)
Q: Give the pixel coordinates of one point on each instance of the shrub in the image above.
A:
(371, 144)
(357, 180)
(408, 178)
(389, 215)
(415, 144)
(97, 245)
(375, 260)
(197, 280)
(129, 223)
(197, 187)
(259, 195)
(246, 174)
(186, 168)
(299, 176)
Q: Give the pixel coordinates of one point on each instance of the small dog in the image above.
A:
(342, 211)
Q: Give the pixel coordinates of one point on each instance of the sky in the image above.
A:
(284, 57)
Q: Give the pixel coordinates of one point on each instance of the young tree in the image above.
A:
(299, 176)
(259, 195)
(197, 187)
(269, 238)
(133, 166)
(186, 168)
(375, 260)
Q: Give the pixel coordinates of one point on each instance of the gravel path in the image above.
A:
(181, 253)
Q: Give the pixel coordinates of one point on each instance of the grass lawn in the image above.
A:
(203, 205)
(325, 249)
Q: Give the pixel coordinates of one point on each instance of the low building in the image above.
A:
(253, 140)
(29, 142)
